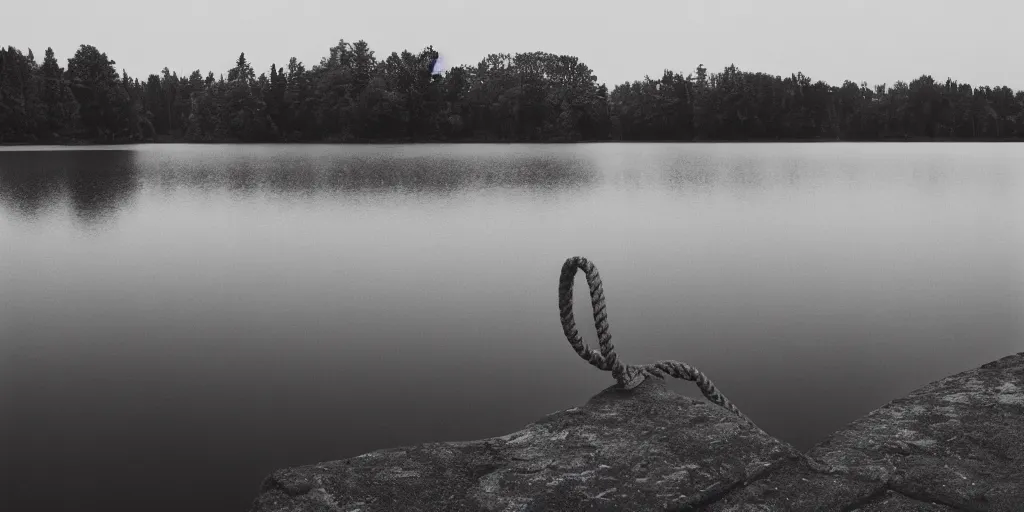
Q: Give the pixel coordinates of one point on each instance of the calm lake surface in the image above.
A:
(177, 321)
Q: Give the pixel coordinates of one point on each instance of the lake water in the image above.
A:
(177, 321)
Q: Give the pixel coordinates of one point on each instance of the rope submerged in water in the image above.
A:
(628, 376)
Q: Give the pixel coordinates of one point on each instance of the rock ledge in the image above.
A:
(955, 444)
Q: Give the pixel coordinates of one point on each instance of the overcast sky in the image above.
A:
(978, 41)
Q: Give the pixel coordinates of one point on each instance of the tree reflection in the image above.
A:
(100, 184)
(376, 173)
(26, 188)
(95, 184)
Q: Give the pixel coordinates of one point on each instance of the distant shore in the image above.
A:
(351, 96)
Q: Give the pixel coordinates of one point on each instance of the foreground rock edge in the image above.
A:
(954, 444)
(653, 449)
(648, 448)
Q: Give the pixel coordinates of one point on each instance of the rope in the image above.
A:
(628, 376)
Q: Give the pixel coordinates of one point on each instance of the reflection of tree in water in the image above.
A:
(242, 178)
(745, 173)
(695, 173)
(26, 188)
(445, 175)
(285, 178)
(434, 175)
(96, 183)
(99, 183)
(702, 173)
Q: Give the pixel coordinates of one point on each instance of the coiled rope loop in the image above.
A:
(629, 376)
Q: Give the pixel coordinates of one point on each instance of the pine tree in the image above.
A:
(61, 109)
(242, 71)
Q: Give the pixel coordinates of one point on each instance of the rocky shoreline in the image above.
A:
(954, 444)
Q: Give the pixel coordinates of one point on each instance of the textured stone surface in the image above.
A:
(645, 449)
(955, 444)
(893, 501)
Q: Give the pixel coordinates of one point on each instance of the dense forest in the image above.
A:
(352, 96)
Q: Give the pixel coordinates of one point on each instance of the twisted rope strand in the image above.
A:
(629, 376)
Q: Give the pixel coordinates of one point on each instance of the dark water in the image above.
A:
(177, 321)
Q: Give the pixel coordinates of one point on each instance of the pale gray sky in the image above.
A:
(977, 41)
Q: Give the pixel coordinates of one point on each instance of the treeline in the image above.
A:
(353, 96)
